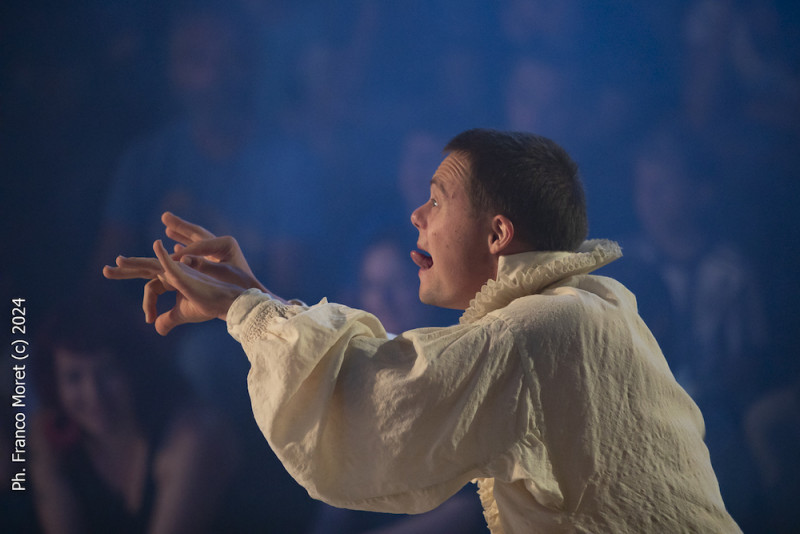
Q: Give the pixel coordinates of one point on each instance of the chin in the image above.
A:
(441, 303)
(426, 298)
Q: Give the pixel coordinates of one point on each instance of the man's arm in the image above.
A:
(369, 423)
(359, 420)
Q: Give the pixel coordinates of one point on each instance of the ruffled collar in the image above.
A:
(530, 272)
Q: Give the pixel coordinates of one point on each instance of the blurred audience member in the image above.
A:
(387, 286)
(773, 431)
(551, 28)
(539, 98)
(740, 58)
(216, 163)
(117, 444)
(326, 50)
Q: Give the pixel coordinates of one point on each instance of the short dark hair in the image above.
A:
(529, 179)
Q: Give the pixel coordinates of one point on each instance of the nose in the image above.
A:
(417, 217)
(92, 391)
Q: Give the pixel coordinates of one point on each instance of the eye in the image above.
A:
(434, 202)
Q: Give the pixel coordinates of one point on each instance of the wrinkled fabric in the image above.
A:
(550, 393)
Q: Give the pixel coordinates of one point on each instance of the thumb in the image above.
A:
(165, 322)
(172, 272)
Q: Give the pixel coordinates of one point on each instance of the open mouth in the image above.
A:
(422, 260)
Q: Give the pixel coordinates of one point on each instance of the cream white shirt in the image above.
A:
(551, 393)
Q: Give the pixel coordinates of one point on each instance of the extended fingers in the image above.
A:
(217, 248)
(171, 270)
(128, 268)
(182, 230)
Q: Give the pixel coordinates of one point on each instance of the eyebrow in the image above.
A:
(435, 181)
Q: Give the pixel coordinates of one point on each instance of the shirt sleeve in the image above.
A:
(366, 422)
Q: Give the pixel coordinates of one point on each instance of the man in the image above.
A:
(551, 392)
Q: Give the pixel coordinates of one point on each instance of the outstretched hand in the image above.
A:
(219, 257)
(199, 297)
(202, 268)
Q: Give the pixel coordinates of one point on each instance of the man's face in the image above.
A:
(453, 258)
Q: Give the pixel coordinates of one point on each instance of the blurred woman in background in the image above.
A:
(117, 443)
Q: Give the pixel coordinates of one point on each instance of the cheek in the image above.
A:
(71, 398)
(445, 254)
(116, 393)
(446, 241)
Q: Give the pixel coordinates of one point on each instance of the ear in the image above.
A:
(502, 234)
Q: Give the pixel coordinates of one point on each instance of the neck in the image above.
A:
(516, 247)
